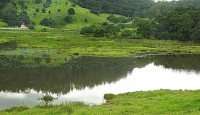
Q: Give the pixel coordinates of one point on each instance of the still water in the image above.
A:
(87, 79)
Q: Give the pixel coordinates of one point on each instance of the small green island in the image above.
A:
(53, 33)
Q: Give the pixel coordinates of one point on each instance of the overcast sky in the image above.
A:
(165, 0)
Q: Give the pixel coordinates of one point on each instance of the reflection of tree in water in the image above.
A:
(79, 73)
(179, 62)
(88, 72)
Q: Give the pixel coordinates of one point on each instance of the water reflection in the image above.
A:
(89, 78)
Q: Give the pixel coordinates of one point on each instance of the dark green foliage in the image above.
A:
(71, 11)
(109, 96)
(73, 5)
(87, 30)
(44, 30)
(109, 30)
(120, 19)
(99, 32)
(9, 14)
(180, 24)
(104, 23)
(47, 22)
(31, 26)
(68, 19)
(59, 10)
(123, 7)
(23, 7)
(21, 2)
(196, 33)
(43, 10)
(37, 60)
(85, 20)
(38, 1)
(46, 5)
(17, 109)
(47, 100)
(37, 10)
(49, 12)
(34, 14)
(66, 3)
(127, 33)
(144, 27)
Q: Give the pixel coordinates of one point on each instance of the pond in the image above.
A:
(87, 79)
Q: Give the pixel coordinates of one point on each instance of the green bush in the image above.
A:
(109, 96)
(87, 30)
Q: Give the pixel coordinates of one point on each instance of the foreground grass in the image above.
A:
(151, 102)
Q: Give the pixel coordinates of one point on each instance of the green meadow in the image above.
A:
(65, 44)
(152, 102)
(50, 47)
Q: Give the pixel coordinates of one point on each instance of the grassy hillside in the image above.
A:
(152, 102)
(78, 18)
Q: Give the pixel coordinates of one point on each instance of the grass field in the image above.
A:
(151, 102)
(78, 19)
(63, 44)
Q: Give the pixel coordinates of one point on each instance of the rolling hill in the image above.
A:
(81, 14)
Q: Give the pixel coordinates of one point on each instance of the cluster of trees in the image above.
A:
(128, 8)
(134, 8)
(110, 30)
(119, 19)
(11, 17)
(53, 23)
(180, 24)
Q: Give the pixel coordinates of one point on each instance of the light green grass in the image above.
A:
(63, 44)
(78, 19)
(151, 102)
(2, 24)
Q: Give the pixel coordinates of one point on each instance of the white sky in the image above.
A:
(164, 0)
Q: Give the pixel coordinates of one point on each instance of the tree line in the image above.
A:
(181, 23)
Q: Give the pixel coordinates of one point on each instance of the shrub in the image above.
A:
(87, 30)
(68, 19)
(71, 11)
(59, 10)
(44, 30)
(43, 10)
(31, 26)
(126, 33)
(109, 96)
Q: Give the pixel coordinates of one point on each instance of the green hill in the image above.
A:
(79, 18)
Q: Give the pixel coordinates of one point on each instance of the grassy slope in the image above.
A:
(152, 102)
(81, 14)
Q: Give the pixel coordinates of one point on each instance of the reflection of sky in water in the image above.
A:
(150, 77)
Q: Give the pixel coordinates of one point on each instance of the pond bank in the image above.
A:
(58, 44)
(150, 102)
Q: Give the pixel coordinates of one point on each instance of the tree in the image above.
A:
(47, 22)
(68, 19)
(87, 30)
(43, 10)
(37, 10)
(21, 2)
(59, 10)
(71, 11)
(144, 27)
(196, 32)
(38, 1)
(9, 14)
